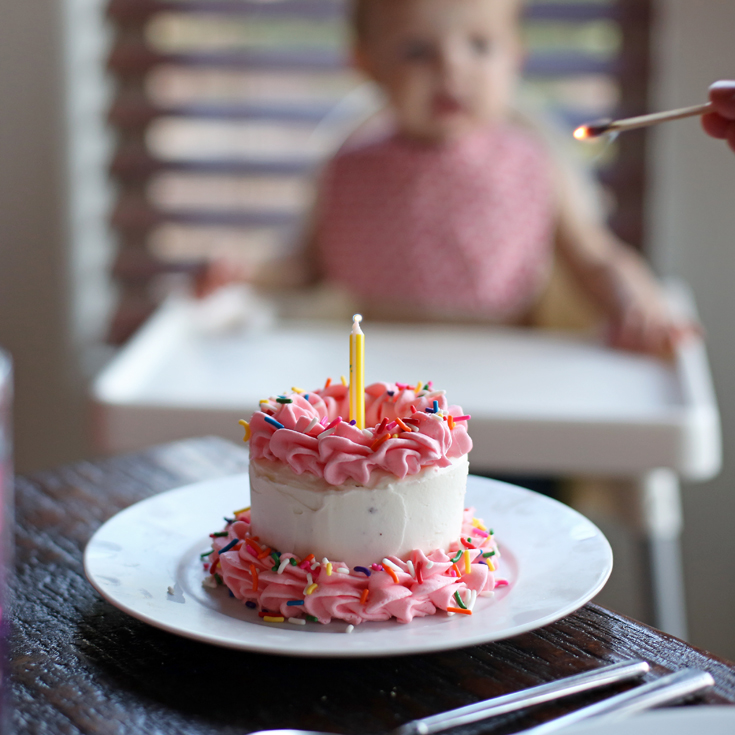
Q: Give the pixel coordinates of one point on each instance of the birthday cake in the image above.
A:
(356, 524)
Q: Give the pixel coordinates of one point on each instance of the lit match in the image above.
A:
(602, 127)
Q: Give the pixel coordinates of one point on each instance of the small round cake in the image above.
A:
(320, 485)
(356, 524)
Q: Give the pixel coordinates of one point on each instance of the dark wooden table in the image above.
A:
(81, 666)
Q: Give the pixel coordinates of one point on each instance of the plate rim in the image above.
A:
(435, 645)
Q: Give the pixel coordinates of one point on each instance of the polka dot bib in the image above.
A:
(464, 228)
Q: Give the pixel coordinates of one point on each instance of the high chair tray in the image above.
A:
(540, 402)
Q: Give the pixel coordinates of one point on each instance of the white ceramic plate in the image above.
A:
(709, 720)
(555, 560)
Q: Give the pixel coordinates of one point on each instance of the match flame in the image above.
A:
(582, 133)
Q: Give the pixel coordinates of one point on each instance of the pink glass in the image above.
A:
(6, 515)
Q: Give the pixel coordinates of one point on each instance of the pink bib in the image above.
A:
(463, 228)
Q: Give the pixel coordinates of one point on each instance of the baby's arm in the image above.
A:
(617, 280)
(298, 269)
(295, 270)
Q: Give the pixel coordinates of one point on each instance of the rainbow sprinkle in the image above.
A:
(379, 441)
(402, 425)
(229, 546)
(459, 600)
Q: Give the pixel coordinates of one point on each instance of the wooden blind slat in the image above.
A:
(140, 11)
(137, 216)
(133, 162)
(134, 112)
(137, 113)
(126, 12)
(136, 267)
(131, 58)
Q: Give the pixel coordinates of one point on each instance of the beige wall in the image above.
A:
(692, 228)
(34, 277)
(54, 197)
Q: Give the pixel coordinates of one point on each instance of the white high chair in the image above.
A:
(544, 403)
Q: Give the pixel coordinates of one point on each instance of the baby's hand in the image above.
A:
(721, 122)
(218, 273)
(643, 320)
(645, 329)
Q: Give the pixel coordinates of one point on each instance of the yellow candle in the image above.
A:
(357, 373)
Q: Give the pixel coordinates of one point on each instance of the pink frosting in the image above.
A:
(344, 452)
(432, 587)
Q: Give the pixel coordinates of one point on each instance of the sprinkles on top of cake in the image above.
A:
(407, 428)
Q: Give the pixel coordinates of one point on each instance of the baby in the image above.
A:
(457, 211)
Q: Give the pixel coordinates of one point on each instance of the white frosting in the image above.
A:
(356, 524)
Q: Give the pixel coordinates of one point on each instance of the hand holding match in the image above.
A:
(718, 117)
(602, 127)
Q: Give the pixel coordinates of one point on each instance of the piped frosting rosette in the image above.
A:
(411, 428)
(285, 588)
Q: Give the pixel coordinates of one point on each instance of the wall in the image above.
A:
(34, 285)
(54, 246)
(692, 232)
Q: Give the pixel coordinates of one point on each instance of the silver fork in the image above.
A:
(622, 671)
(666, 690)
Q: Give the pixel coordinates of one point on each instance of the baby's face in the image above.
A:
(447, 66)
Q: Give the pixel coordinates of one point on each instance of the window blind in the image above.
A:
(217, 103)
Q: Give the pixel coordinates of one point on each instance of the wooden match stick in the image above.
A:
(595, 130)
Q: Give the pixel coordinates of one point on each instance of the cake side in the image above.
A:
(355, 523)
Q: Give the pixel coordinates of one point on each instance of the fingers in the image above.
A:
(216, 275)
(719, 127)
(716, 125)
(722, 96)
(652, 334)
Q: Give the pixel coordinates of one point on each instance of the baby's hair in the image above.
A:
(361, 11)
